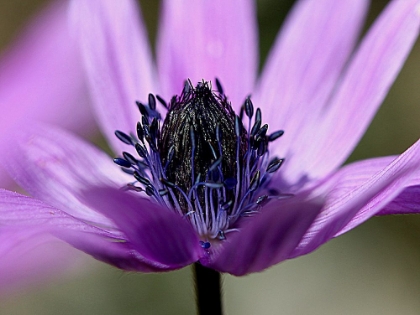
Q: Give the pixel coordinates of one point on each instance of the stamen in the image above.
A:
(201, 161)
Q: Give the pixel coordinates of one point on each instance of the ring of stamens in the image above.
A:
(214, 199)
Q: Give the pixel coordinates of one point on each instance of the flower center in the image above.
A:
(202, 162)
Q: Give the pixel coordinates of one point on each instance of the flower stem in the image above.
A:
(208, 290)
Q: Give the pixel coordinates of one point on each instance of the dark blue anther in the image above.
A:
(128, 171)
(124, 137)
(152, 145)
(140, 133)
(143, 110)
(275, 135)
(167, 183)
(257, 123)
(187, 87)
(162, 101)
(154, 129)
(262, 148)
(219, 87)
(172, 102)
(258, 115)
(205, 245)
(249, 108)
(261, 133)
(141, 150)
(152, 102)
(122, 162)
(150, 191)
(146, 131)
(131, 159)
(141, 179)
(274, 165)
(145, 121)
(255, 181)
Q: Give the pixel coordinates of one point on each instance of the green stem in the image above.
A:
(208, 290)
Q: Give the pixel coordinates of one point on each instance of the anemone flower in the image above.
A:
(203, 180)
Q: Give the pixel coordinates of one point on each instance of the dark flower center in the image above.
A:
(202, 162)
(198, 134)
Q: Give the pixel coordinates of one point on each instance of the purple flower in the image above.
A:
(314, 86)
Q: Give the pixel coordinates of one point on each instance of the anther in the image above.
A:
(124, 137)
(249, 108)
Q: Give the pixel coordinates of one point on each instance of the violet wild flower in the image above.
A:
(204, 177)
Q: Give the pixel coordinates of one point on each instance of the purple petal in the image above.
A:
(118, 61)
(25, 212)
(41, 78)
(366, 82)
(305, 62)
(208, 39)
(157, 233)
(266, 239)
(32, 219)
(350, 200)
(55, 167)
(29, 256)
(114, 252)
(407, 202)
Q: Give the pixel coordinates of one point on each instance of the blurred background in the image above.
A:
(373, 269)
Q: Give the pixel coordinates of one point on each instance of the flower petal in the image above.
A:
(29, 256)
(305, 62)
(33, 221)
(41, 78)
(156, 232)
(407, 202)
(363, 87)
(118, 253)
(118, 61)
(55, 167)
(266, 239)
(208, 39)
(347, 207)
(25, 212)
